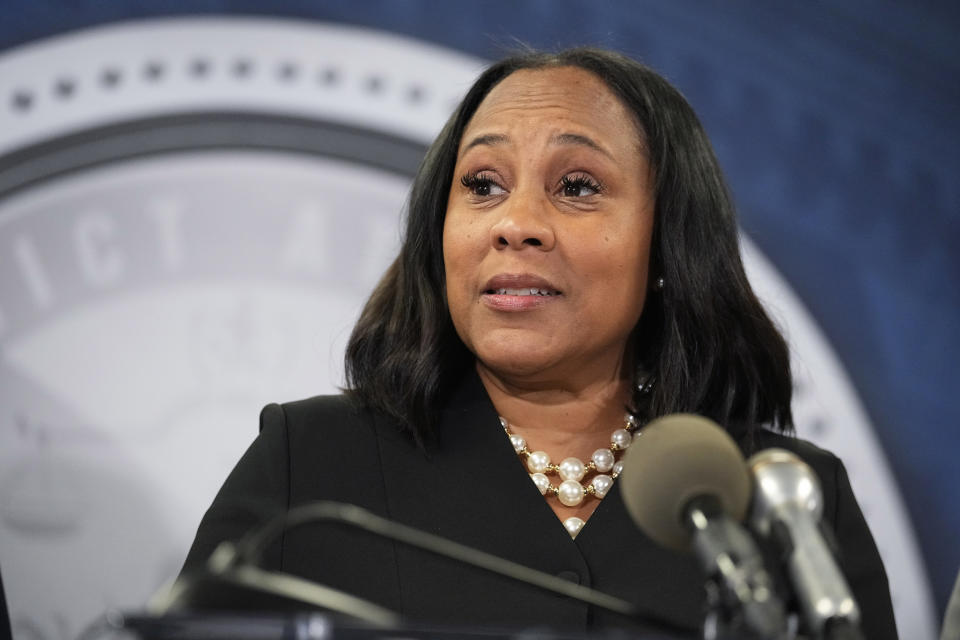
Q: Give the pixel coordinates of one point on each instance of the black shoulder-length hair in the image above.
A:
(704, 341)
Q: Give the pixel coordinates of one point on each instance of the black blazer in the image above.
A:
(470, 486)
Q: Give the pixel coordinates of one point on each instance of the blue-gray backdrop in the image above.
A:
(837, 124)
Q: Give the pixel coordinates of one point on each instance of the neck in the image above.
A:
(561, 419)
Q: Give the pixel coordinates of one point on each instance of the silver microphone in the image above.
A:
(787, 508)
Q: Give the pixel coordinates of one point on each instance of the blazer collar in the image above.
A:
(481, 471)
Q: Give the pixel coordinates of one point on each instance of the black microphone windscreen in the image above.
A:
(675, 459)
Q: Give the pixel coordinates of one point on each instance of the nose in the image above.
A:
(523, 223)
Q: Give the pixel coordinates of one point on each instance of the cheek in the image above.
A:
(461, 252)
(458, 282)
(459, 267)
(620, 260)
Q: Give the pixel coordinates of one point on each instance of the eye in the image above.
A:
(482, 184)
(579, 186)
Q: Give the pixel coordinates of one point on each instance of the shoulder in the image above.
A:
(331, 410)
(328, 422)
(824, 462)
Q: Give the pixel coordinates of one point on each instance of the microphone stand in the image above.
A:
(740, 594)
(249, 550)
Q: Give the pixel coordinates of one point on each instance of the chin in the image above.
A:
(516, 363)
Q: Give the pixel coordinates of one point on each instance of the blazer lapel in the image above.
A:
(472, 488)
(629, 565)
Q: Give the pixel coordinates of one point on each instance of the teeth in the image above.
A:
(525, 292)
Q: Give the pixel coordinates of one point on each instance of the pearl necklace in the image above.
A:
(572, 470)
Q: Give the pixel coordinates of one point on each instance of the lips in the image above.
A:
(523, 292)
(520, 284)
(513, 292)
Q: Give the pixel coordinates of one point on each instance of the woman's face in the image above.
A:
(546, 241)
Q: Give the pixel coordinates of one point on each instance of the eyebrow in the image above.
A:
(577, 139)
(490, 140)
(494, 139)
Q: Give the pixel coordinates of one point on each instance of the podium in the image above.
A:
(316, 626)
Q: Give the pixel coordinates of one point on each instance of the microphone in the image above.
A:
(685, 485)
(787, 508)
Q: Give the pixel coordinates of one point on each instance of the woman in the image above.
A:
(570, 270)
